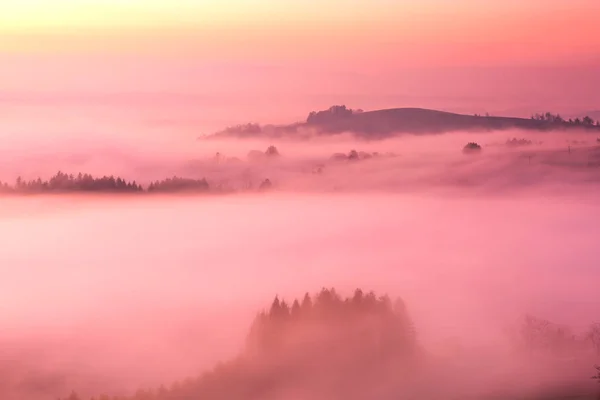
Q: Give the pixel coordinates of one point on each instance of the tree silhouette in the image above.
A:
(353, 155)
(514, 142)
(330, 115)
(597, 375)
(593, 336)
(541, 335)
(272, 151)
(177, 184)
(73, 396)
(296, 310)
(306, 304)
(249, 129)
(67, 183)
(471, 147)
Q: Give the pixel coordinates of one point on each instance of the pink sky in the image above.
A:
(509, 51)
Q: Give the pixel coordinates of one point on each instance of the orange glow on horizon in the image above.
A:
(402, 32)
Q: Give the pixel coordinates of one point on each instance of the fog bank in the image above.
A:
(120, 294)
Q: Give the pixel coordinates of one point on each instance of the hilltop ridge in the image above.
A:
(389, 122)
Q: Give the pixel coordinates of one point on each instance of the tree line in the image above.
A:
(557, 119)
(62, 182)
(333, 113)
(86, 183)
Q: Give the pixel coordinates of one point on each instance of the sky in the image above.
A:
(491, 54)
(477, 32)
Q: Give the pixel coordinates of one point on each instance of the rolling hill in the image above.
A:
(389, 122)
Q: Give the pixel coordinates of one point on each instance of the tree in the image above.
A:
(353, 155)
(588, 121)
(274, 311)
(284, 309)
(307, 303)
(542, 335)
(597, 375)
(358, 298)
(514, 142)
(339, 157)
(272, 151)
(73, 396)
(295, 312)
(471, 147)
(593, 336)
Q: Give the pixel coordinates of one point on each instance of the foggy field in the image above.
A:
(111, 289)
(107, 293)
(129, 293)
(299, 200)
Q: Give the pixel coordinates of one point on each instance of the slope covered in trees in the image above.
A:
(310, 348)
(360, 347)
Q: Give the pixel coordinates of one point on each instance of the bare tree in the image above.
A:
(593, 335)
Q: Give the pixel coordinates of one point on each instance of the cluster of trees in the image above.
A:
(471, 147)
(333, 113)
(597, 375)
(539, 335)
(319, 344)
(176, 184)
(86, 183)
(257, 155)
(354, 155)
(248, 129)
(62, 182)
(362, 323)
(351, 156)
(337, 347)
(514, 142)
(557, 119)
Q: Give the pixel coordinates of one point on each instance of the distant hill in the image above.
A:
(388, 122)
